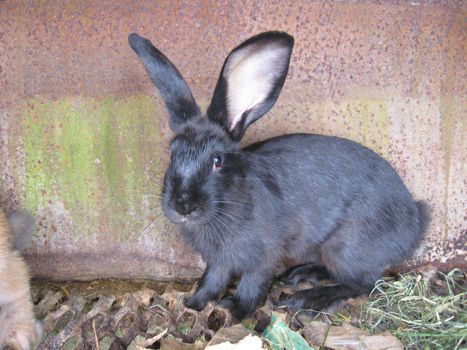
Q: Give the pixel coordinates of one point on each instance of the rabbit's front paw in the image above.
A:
(195, 303)
(236, 310)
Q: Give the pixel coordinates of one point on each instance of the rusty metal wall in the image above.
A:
(83, 133)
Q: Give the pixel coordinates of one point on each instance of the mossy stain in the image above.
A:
(97, 156)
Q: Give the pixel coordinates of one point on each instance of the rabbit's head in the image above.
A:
(206, 164)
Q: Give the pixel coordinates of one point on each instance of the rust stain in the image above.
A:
(390, 75)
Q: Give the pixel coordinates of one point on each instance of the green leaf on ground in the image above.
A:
(280, 336)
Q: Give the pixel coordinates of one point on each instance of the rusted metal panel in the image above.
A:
(83, 133)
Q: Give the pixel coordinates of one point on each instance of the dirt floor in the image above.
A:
(416, 311)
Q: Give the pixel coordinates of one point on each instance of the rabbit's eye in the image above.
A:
(218, 161)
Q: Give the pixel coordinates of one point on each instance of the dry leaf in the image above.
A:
(230, 334)
(349, 337)
(174, 344)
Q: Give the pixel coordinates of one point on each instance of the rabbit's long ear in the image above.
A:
(250, 81)
(173, 88)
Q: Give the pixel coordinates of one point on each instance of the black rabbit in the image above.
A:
(325, 203)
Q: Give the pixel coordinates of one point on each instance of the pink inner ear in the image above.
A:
(250, 74)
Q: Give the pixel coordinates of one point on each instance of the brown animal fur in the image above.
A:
(18, 326)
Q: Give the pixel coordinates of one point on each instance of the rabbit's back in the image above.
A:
(329, 169)
(324, 184)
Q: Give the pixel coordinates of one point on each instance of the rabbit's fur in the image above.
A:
(18, 326)
(318, 202)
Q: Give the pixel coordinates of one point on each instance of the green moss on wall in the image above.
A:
(97, 157)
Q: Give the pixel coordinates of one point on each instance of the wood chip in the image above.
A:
(349, 337)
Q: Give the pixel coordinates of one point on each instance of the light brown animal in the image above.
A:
(18, 326)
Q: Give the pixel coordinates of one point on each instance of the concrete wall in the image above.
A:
(83, 133)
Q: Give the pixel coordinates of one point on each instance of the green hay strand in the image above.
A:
(420, 316)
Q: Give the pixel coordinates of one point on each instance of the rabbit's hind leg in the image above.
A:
(322, 298)
(312, 273)
(354, 259)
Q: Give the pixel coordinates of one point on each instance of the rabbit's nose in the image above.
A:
(183, 205)
(186, 208)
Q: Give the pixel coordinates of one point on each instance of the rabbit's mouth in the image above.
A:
(194, 217)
